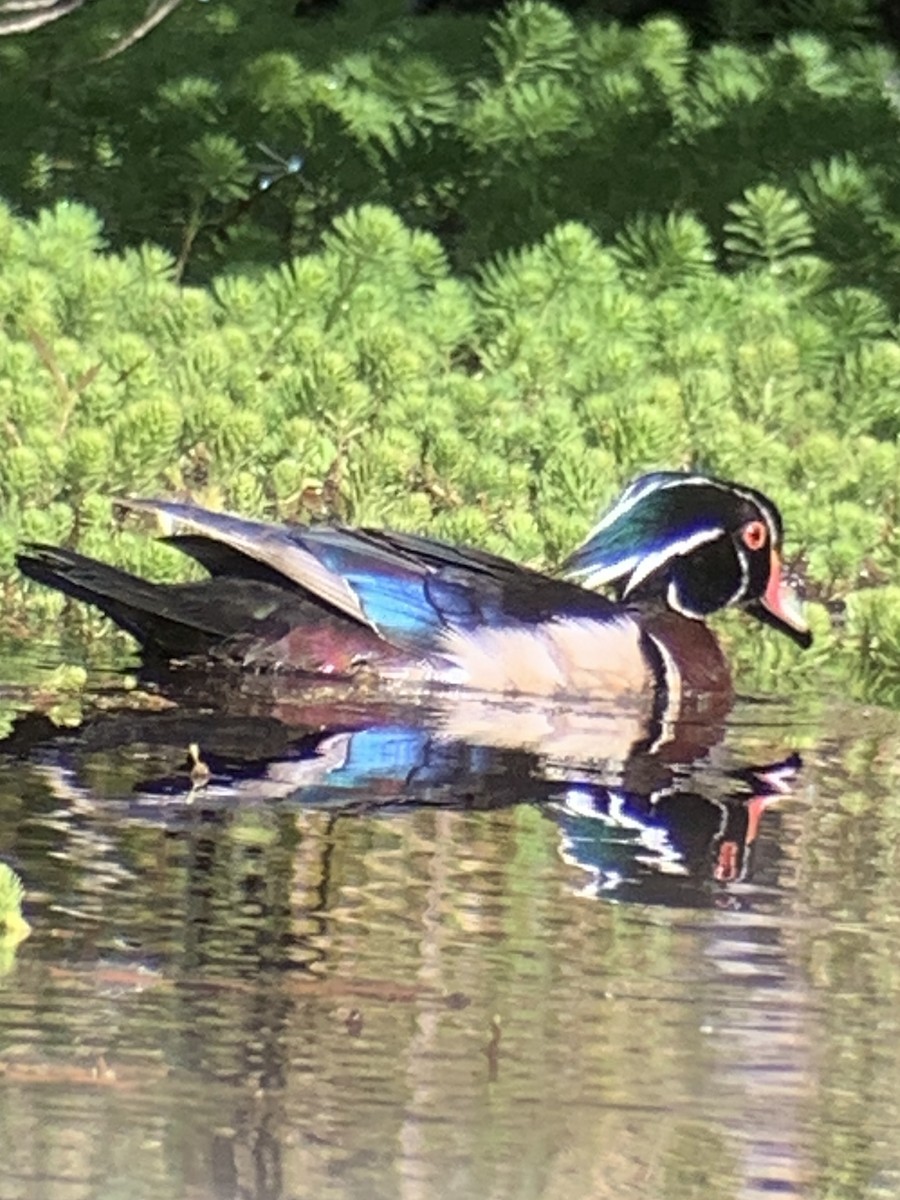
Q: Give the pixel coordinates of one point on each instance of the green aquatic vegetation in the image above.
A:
(12, 893)
(459, 275)
(13, 926)
(873, 622)
(371, 383)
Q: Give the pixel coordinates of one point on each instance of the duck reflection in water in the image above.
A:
(665, 824)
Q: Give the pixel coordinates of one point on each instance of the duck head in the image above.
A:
(697, 543)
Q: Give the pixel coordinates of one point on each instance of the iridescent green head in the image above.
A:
(696, 543)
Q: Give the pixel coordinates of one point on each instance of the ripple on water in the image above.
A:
(363, 963)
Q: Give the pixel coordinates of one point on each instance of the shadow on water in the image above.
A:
(316, 944)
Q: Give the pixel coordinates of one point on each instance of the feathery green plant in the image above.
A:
(369, 382)
(457, 274)
(247, 132)
(13, 926)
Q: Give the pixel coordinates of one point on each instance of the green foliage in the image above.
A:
(458, 274)
(874, 625)
(368, 382)
(663, 252)
(13, 926)
(12, 893)
(246, 133)
(768, 226)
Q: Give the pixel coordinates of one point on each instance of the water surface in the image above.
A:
(349, 949)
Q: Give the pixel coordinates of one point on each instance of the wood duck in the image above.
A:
(337, 602)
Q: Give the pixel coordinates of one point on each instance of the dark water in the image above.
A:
(352, 948)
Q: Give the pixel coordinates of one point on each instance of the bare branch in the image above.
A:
(26, 5)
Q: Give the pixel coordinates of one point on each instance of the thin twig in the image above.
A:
(153, 18)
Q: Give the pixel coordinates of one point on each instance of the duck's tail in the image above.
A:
(168, 620)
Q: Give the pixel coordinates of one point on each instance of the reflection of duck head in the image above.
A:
(410, 610)
(658, 845)
(639, 829)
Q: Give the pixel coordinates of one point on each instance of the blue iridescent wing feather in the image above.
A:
(407, 588)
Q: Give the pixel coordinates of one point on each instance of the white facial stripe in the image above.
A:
(745, 574)
(671, 550)
(633, 495)
(674, 600)
(592, 577)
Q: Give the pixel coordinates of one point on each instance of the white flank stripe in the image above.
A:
(671, 681)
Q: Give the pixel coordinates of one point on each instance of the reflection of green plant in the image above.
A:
(13, 926)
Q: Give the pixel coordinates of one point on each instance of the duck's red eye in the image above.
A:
(754, 535)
